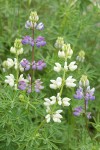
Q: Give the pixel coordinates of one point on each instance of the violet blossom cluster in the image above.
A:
(40, 41)
(39, 65)
(84, 93)
(79, 111)
(54, 102)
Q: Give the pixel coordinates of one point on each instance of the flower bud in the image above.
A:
(68, 51)
(13, 50)
(61, 54)
(81, 56)
(18, 44)
(33, 17)
(84, 81)
(59, 42)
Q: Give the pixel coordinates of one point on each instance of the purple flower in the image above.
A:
(40, 26)
(89, 94)
(28, 40)
(25, 64)
(22, 85)
(40, 41)
(40, 65)
(38, 85)
(89, 115)
(28, 24)
(29, 89)
(77, 111)
(79, 93)
(34, 65)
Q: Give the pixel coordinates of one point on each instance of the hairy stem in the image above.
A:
(32, 58)
(85, 114)
(17, 70)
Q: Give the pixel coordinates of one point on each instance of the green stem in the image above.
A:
(63, 82)
(85, 114)
(41, 124)
(17, 70)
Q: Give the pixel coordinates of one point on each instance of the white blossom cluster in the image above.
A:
(54, 102)
(9, 63)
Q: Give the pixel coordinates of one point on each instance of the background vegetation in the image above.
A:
(78, 22)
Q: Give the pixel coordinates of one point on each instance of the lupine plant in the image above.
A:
(19, 82)
(55, 103)
(46, 105)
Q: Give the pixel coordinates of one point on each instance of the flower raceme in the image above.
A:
(18, 81)
(32, 22)
(84, 92)
(54, 102)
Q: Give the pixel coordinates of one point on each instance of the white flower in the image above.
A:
(56, 83)
(13, 50)
(57, 68)
(65, 66)
(70, 82)
(90, 90)
(72, 66)
(61, 54)
(53, 98)
(47, 102)
(21, 78)
(21, 68)
(48, 117)
(20, 51)
(65, 101)
(40, 26)
(50, 101)
(10, 80)
(57, 116)
(8, 63)
(69, 51)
